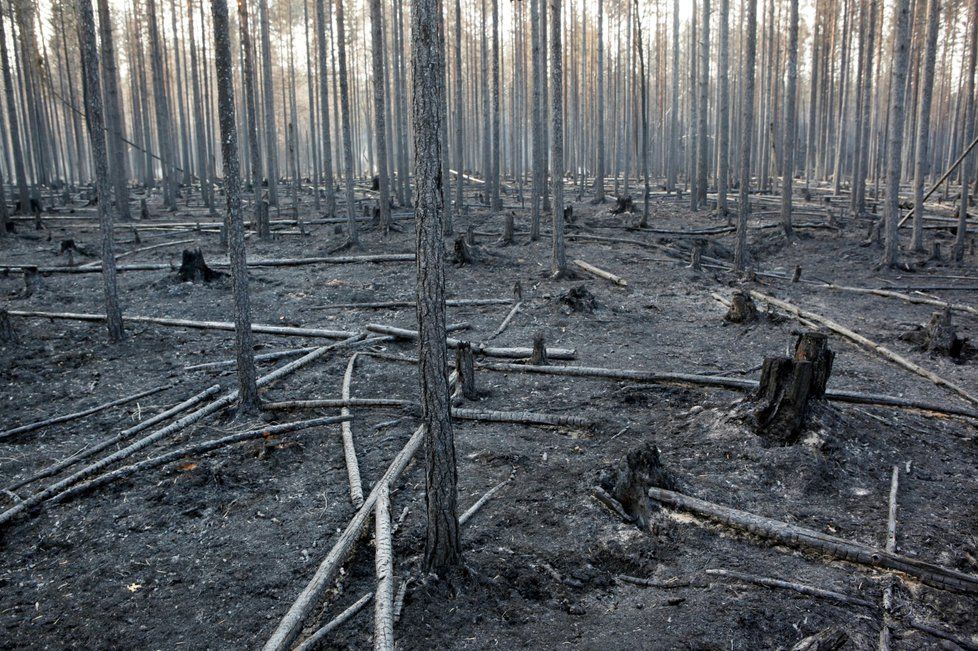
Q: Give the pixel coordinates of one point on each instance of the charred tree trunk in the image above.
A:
(746, 137)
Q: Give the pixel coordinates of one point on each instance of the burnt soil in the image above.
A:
(211, 551)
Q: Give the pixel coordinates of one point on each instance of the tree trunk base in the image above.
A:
(623, 204)
(629, 483)
(193, 269)
(742, 308)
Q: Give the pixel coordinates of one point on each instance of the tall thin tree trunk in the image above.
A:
(348, 172)
(459, 115)
(746, 136)
(495, 202)
(600, 101)
(244, 345)
(790, 123)
(251, 120)
(539, 153)
(443, 549)
(723, 112)
(967, 165)
(20, 172)
(96, 134)
(271, 136)
(922, 164)
(163, 123)
(328, 181)
(114, 119)
(380, 131)
(898, 85)
(702, 159)
(558, 261)
(674, 104)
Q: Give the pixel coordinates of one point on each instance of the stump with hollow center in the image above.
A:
(788, 387)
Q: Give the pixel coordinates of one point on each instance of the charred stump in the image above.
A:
(509, 230)
(32, 282)
(465, 367)
(579, 299)
(193, 269)
(623, 204)
(7, 334)
(696, 255)
(742, 308)
(539, 355)
(941, 337)
(569, 215)
(143, 209)
(629, 483)
(463, 253)
(787, 387)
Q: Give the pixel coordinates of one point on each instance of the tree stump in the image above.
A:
(193, 269)
(7, 334)
(32, 282)
(465, 367)
(264, 227)
(935, 251)
(787, 387)
(796, 276)
(629, 483)
(696, 255)
(742, 308)
(539, 356)
(462, 252)
(579, 299)
(569, 215)
(623, 204)
(509, 229)
(143, 209)
(941, 337)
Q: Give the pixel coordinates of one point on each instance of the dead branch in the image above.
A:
(346, 431)
(383, 305)
(505, 323)
(520, 417)
(384, 567)
(601, 273)
(788, 534)
(472, 510)
(510, 353)
(312, 642)
(909, 298)
(30, 427)
(796, 587)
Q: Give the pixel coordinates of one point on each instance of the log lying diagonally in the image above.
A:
(478, 349)
(734, 384)
(882, 351)
(290, 626)
(791, 585)
(789, 534)
(30, 427)
(90, 470)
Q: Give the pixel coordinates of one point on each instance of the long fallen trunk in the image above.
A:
(98, 265)
(337, 403)
(791, 585)
(520, 417)
(190, 450)
(601, 273)
(346, 433)
(223, 264)
(30, 427)
(312, 642)
(899, 360)
(290, 626)
(112, 440)
(221, 403)
(734, 384)
(384, 567)
(509, 317)
(488, 351)
(909, 298)
(284, 331)
(791, 535)
(382, 305)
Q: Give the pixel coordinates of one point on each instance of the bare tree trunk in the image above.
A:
(328, 180)
(746, 136)
(163, 123)
(639, 48)
(922, 165)
(723, 113)
(674, 108)
(539, 153)
(20, 173)
(114, 120)
(443, 549)
(495, 202)
(251, 119)
(558, 262)
(704, 87)
(459, 115)
(600, 101)
(96, 134)
(898, 84)
(380, 135)
(864, 139)
(348, 173)
(200, 135)
(790, 123)
(967, 165)
(247, 387)
(271, 137)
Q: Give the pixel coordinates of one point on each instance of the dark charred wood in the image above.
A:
(623, 204)
(630, 481)
(539, 355)
(7, 333)
(742, 308)
(813, 347)
(579, 299)
(193, 269)
(787, 386)
(465, 365)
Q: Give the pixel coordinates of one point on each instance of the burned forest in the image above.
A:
(472, 324)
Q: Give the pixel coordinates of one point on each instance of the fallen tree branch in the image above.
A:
(472, 510)
(30, 427)
(285, 331)
(112, 440)
(796, 587)
(511, 353)
(909, 298)
(796, 311)
(884, 641)
(962, 642)
(312, 642)
(223, 264)
(291, 624)
(346, 432)
(365, 403)
(384, 568)
(381, 305)
(190, 450)
(788, 534)
(97, 264)
(520, 417)
(601, 273)
(505, 323)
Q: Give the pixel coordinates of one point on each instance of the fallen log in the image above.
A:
(472, 510)
(30, 427)
(346, 433)
(273, 262)
(601, 273)
(871, 345)
(97, 264)
(112, 440)
(884, 640)
(519, 417)
(225, 401)
(488, 351)
(509, 317)
(190, 450)
(290, 626)
(284, 331)
(338, 403)
(930, 629)
(791, 535)
(909, 298)
(381, 305)
(796, 587)
(313, 641)
(384, 567)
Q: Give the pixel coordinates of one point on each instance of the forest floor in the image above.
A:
(210, 552)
